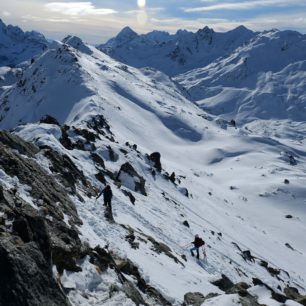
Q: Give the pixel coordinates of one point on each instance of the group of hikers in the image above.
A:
(107, 199)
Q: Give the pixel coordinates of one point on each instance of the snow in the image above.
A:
(177, 53)
(235, 176)
(17, 46)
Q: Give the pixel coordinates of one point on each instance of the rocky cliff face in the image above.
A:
(39, 230)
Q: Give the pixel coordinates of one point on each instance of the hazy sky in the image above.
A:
(97, 20)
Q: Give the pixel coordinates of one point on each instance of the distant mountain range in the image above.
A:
(17, 46)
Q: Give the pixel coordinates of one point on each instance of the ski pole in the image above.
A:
(185, 246)
(204, 253)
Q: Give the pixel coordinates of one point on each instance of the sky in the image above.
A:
(98, 20)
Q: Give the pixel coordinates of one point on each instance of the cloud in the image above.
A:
(6, 13)
(77, 8)
(55, 20)
(246, 5)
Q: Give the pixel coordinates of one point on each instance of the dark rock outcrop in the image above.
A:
(49, 120)
(194, 298)
(43, 187)
(224, 283)
(26, 276)
(292, 293)
(301, 300)
(137, 180)
(36, 236)
(68, 172)
(155, 158)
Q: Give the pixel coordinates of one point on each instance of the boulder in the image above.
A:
(155, 158)
(292, 293)
(194, 298)
(186, 223)
(224, 283)
(239, 288)
(129, 178)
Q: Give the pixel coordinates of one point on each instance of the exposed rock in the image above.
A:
(249, 300)
(26, 276)
(131, 179)
(302, 300)
(194, 298)
(289, 246)
(98, 160)
(292, 293)
(273, 271)
(172, 177)
(278, 297)
(186, 223)
(65, 140)
(239, 288)
(99, 124)
(69, 174)
(104, 259)
(15, 143)
(247, 256)
(274, 295)
(128, 268)
(223, 283)
(49, 120)
(155, 158)
(130, 195)
(100, 177)
(86, 134)
(113, 156)
(43, 187)
(131, 240)
(184, 191)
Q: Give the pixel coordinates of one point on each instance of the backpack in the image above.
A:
(201, 242)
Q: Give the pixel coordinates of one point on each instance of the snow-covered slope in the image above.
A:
(174, 54)
(245, 192)
(17, 46)
(263, 80)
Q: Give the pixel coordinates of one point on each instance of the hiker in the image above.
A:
(107, 196)
(198, 242)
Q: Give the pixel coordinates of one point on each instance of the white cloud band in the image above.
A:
(77, 8)
(245, 5)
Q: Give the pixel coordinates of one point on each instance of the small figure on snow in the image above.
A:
(107, 197)
(198, 242)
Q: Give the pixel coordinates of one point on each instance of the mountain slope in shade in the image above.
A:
(174, 54)
(17, 46)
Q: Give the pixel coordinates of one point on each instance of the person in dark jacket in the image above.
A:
(107, 196)
(198, 242)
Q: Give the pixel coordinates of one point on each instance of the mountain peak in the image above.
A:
(241, 29)
(126, 34)
(76, 43)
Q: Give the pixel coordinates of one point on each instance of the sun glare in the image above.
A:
(141, 3)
